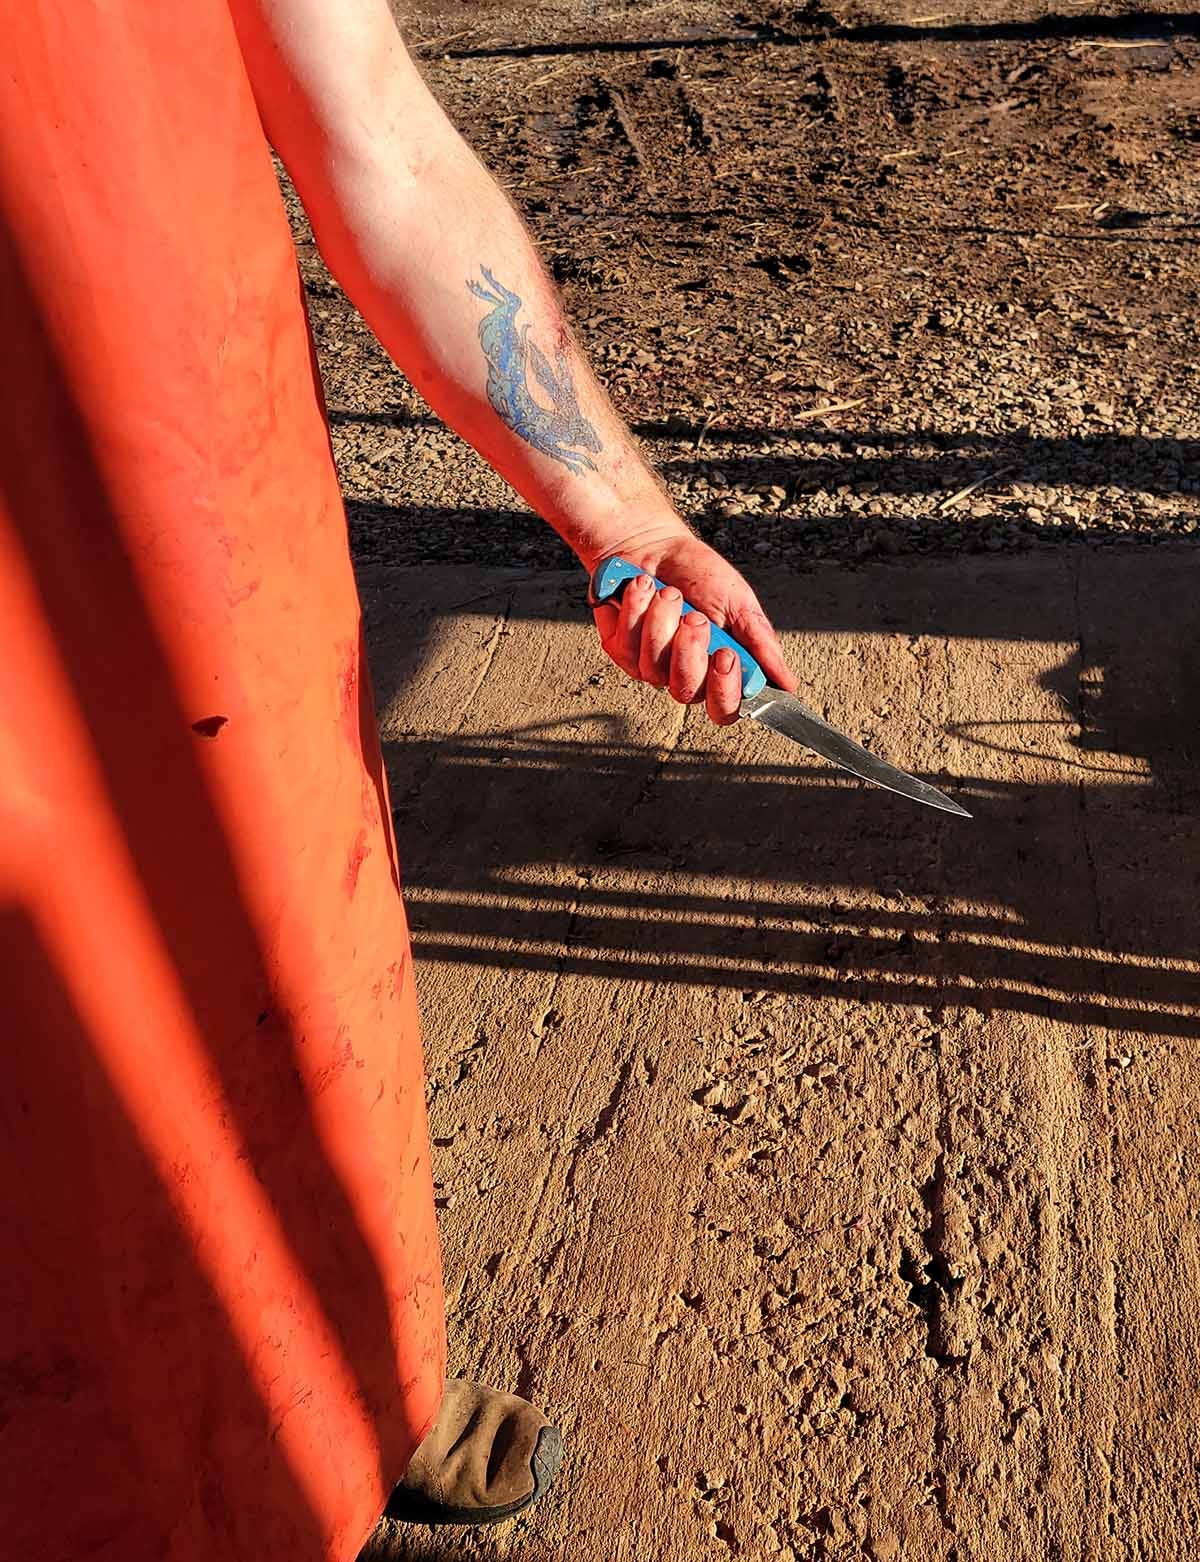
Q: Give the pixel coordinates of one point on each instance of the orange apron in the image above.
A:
(221, 1325)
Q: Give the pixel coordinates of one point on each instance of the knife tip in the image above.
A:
(942, 802)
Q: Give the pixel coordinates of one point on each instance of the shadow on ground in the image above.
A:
(565, 847)
(1145, 25)
(1141, 464)
(1022, 955)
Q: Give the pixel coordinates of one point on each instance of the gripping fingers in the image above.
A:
(723, 690)
(696, 676)
(626, 649)
(619, 625)
(689, 659)
(647, 639)
(659, 626)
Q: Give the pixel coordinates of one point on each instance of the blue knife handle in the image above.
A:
(611, 574)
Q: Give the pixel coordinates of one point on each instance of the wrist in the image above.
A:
(640, 532)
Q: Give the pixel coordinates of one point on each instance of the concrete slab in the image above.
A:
(823, 1164)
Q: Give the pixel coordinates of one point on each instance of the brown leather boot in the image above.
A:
(487, 1456)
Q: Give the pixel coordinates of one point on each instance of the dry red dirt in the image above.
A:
(824, 1165)
(972, 238)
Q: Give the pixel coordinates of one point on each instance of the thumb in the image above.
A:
(752, 628)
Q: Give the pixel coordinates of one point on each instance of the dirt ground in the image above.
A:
(973, 241)
(824, 1165)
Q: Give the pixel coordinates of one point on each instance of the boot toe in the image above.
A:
(487, 1457)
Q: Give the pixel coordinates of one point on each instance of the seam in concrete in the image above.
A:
(1101, 1074)
(491, 646)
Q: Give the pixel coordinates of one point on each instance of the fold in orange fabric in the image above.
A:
(221, 1319)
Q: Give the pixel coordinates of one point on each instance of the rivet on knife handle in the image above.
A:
(610, 575)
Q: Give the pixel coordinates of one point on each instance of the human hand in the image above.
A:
(645, 637)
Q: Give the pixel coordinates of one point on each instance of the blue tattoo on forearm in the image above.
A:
(509, 352)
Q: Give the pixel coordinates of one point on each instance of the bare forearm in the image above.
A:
(450, 282)
(428, 247)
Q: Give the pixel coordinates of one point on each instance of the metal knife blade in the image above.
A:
(784, 714)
